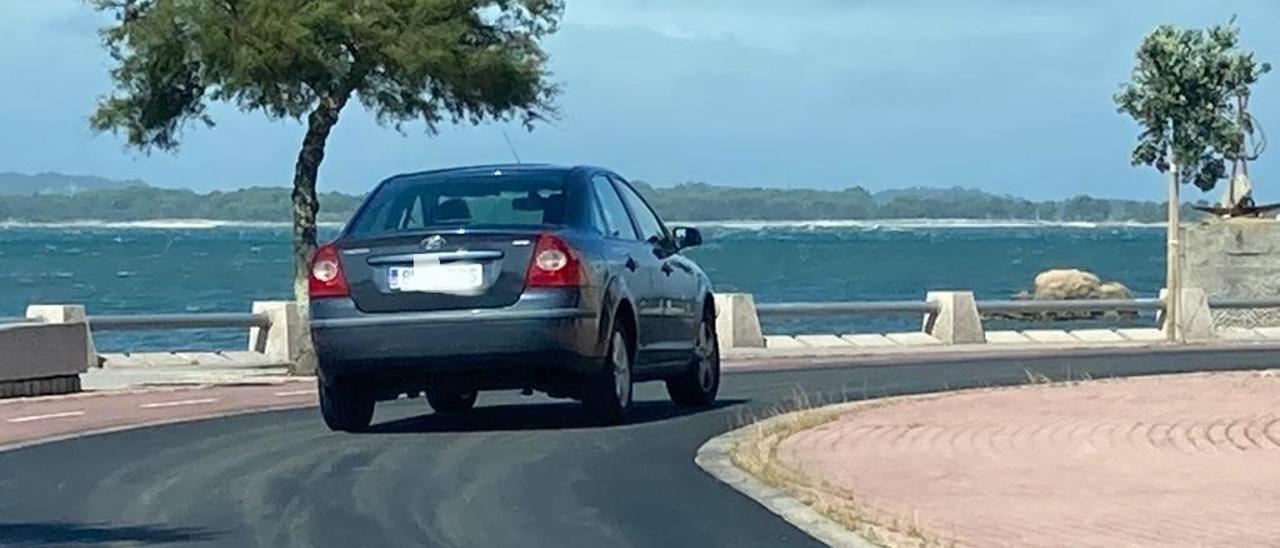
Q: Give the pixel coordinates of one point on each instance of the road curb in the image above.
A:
(813, 359)
(713, 458)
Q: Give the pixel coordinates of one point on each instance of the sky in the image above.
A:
(1008, 96)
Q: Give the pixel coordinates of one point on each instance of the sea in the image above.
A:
(175, 267)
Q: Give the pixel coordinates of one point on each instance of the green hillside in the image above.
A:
(60, 198)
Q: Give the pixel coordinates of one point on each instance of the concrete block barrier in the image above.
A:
(280, 341)
(737, 323)
(1195, 320)
(957, 320)
(67, 313)
(39, 359)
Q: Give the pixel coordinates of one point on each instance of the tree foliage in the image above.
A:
(428, 60)
(1189, 91)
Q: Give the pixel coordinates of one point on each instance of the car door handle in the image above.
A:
(631, 264)
(666, 269)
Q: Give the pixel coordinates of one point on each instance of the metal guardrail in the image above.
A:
(986, 307)
(177, 321)
(851, 308)
(845, 308)
(1080, 305)
(1238, 303)
(19, 319)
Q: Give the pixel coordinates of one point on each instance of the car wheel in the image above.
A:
(699, 385)
(451, 401)
(608, 396)
(344, 407)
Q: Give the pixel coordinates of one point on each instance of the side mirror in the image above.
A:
(686, 236)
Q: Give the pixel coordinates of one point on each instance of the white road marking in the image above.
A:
(295, 393)
(63, 415)
(177, 403)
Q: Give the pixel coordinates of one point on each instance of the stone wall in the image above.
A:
(1238, 258)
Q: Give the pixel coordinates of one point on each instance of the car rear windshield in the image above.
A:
(427, 202)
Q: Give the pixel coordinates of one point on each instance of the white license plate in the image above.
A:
(436, 278)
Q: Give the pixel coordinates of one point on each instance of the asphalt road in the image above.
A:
(515, 472)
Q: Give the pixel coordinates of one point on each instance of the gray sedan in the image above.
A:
(530, 277)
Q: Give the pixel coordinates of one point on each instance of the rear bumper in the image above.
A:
(539, 332)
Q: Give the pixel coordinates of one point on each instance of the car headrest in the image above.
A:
(553, 209)
(453, 210)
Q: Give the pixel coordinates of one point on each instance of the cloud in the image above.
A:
(1009, 95)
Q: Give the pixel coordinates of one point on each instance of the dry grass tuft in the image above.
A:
(1036, 377)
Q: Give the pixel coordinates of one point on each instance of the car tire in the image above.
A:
(345, 408)
(451, 401)
(699, 385)
(607, 396)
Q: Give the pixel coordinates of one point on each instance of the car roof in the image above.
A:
(488, 169)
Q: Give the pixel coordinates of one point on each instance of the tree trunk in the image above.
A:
(305, 207)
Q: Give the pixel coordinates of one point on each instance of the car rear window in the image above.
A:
(429, 202)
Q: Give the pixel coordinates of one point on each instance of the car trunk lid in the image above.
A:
(447, 270)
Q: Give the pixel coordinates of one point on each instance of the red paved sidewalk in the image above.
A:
(25, 420)
(1189, 460)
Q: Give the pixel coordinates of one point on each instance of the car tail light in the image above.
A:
(554, 264)
(326, 278)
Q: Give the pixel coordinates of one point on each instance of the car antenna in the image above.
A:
(511, 147)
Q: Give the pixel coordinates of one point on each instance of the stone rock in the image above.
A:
(1071, 284)
(1113, 290)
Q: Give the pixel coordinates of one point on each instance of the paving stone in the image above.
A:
(782, 342)
(1142, 334)
(214, 359)
(824, 341)
(122, 360)
(1268, 332)
(163, 359)
(869, 340)
(913, 339)
(246, 358)
(1098, 336)
(1006, 337)
(1013, 450)
(1239, 334)
(1050, 336)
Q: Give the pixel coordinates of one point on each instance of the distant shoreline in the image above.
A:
(197, 224)
(76, 203)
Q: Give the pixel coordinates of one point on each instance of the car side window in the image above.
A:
(651, 229)
(617, 224)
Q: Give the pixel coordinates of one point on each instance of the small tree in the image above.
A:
(1189, 92)
(436, 61)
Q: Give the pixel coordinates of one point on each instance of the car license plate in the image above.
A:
(436, 278)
